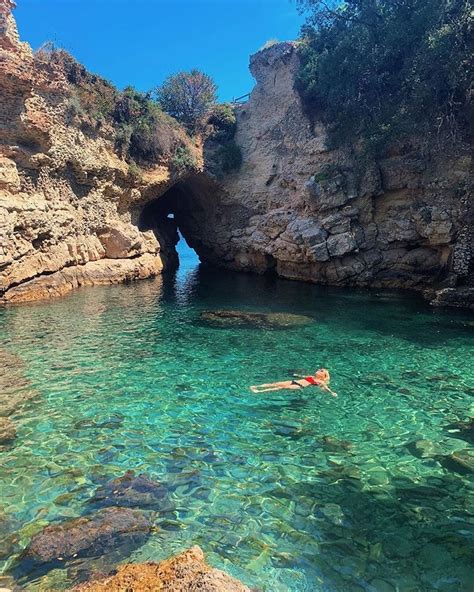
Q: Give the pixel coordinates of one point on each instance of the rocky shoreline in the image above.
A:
(75, 212)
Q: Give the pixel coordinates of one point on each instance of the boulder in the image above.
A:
(272, 320)
(186, 572)
(89, 536)
(132, 491)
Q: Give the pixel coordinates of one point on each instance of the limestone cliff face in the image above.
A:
(311, 213)
(69, 205)
(73, 212)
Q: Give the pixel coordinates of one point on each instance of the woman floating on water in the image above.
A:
(321, 379)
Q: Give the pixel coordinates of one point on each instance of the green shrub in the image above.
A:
(230, 157)
(188, 97)
(223, 121)
(134, 171)
(183, 159)
(381, 71)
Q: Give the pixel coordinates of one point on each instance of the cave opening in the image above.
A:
(176, 218)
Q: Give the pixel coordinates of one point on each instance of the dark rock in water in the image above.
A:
(464, 430)
(423, 448)
(461, 461)
(331, 444)
(132, 491)
(89, 536)
(112, 422)
(7, 431)
(271, 320)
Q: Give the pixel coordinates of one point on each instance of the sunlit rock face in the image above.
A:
(69, 204)
(314, 214)
(74, 213)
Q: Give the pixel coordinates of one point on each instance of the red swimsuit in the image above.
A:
(310, 379)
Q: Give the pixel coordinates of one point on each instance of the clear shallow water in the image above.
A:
(128, 378)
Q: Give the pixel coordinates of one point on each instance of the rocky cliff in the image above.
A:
(310, 213)
(69, 204)
(74, 211)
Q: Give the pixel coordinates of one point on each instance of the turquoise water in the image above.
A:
(127, 377)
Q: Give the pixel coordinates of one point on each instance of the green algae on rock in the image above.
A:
(263, 320)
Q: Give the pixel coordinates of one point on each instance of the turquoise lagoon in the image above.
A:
(127, 377)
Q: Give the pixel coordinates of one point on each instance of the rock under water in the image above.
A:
(88, 536)
(132, 491)
(271, 320)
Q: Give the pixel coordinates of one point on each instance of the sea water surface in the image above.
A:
(288, 491)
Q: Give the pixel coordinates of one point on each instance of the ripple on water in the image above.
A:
(287, 491)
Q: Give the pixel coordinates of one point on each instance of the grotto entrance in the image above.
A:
(183, 210)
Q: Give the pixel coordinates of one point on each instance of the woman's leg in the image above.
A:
(276, 386)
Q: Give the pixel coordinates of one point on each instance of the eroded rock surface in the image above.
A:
(311, 213)
(7, 431)
(69, 203)
(187, 572)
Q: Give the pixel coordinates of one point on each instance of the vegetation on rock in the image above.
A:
(188, 97)
(230, 156)
(144, 133)
(223, 122)
(383, 70)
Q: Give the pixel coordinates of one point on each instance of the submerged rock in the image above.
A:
(89, 536)
(464, 430)
(461, 461)
(15, 389)
(423, 448)
(187, 572)
(331, 444)
(132, 491)
(271, 320)
(7, 431)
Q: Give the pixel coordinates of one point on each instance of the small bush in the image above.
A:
(230, 157)
(134, 171)
(223, 121)
(183, 159)
(74, 107)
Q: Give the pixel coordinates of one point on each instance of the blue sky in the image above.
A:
(140, 42)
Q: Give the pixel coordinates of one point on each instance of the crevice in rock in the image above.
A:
(184, 207)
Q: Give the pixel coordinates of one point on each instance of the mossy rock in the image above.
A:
(258, 320)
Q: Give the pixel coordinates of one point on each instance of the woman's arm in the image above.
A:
(325, 387)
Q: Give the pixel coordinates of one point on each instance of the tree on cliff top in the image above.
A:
(378, 71)
(188, 97)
